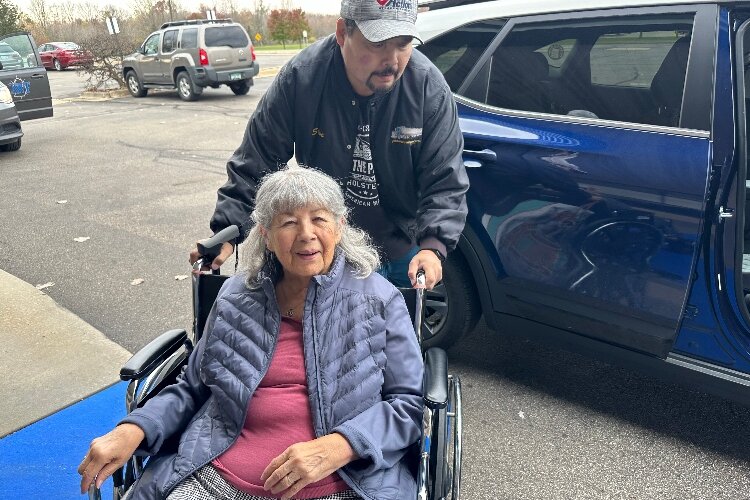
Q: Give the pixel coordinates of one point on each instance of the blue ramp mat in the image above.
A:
(40, 461)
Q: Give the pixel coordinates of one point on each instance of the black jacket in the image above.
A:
(311, 111)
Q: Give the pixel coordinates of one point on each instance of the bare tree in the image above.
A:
(260, 17)
(40, 14)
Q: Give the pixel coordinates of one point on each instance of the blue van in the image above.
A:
(606, 144)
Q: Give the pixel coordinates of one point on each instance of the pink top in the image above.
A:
(278, 416)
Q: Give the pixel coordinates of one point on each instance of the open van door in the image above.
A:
(24, 75)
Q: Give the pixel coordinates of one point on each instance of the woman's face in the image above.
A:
(304, 241)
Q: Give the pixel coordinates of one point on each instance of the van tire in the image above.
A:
(452, 308)
(135, 87)
(240, 88)
(185, 87)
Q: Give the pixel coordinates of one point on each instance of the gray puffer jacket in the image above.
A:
(364, 377)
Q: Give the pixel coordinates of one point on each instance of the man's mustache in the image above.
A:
(387, 72)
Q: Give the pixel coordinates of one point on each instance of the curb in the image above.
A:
(50, 356)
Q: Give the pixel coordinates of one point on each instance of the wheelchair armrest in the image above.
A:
(156, 351)
(435, 383)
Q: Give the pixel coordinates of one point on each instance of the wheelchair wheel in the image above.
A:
(445, 460)
(454, 452)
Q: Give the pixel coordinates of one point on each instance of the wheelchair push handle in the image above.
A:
(210, 248)
(419, 306)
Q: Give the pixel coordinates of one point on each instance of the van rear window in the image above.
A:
(231, 36)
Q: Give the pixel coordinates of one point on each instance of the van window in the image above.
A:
(226, 36)
(17, 52)
(151, 45)
(169, 41)
(455, 53)
(629, 69)
(189, 38)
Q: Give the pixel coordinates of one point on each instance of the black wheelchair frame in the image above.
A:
(158, 364)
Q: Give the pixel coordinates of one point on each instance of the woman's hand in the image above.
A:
(107, 453)
(305, 463)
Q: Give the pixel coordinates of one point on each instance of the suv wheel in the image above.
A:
(13, 146)
(240, 88)
(134, 85)
(57, 65)
(185, 87)
(452, 307)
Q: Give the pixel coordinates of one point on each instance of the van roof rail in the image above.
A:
(188, 22)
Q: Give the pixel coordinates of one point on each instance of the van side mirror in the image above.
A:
(1, 66)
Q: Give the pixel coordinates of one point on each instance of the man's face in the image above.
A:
(372, 67)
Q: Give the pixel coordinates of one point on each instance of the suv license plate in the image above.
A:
(235, 76)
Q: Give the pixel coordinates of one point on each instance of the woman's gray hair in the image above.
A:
(296, 187)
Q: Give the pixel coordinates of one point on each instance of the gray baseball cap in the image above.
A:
(380, 20)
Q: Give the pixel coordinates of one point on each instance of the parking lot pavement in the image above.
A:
(49, 357)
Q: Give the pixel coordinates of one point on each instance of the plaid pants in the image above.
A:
(207, 484)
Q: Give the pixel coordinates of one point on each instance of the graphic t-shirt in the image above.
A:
(362, 195)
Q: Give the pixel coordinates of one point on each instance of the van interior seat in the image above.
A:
(668, 84)
(517, 80)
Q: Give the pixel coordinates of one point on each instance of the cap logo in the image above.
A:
(382, 2)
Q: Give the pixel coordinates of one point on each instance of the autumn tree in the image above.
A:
(287, 25)
(10, 17)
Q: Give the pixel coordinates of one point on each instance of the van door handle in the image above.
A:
(37, 76)
(483, 155)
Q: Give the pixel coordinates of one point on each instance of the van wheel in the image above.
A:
(13, 146)
(452, 308)
(240, 88)
(57, 65)
(185, 87)
(134, 85)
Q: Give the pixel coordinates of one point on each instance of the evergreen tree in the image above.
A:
(10, 17)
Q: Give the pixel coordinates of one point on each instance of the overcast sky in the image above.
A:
(311, 6)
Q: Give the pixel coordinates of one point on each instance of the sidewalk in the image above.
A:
(49, 357)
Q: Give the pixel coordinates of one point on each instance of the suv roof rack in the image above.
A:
(425, 5)
(188, 22)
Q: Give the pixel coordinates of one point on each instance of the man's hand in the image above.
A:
(227, 249)
(108, 453)
(430, 264)
(305, 463)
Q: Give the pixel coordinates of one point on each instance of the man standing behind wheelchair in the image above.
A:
(305, 341)
(379, 118)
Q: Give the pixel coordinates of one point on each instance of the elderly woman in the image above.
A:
(307, 382)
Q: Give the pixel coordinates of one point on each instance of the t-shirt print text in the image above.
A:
(362, 185)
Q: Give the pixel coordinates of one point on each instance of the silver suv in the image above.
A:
(192, 55)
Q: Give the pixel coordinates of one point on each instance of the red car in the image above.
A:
(60, 55)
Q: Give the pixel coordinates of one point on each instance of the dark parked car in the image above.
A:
(10, 124)
(24, 89)
(60, 55)
(606, 144)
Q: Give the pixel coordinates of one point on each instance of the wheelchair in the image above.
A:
(437, 456)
